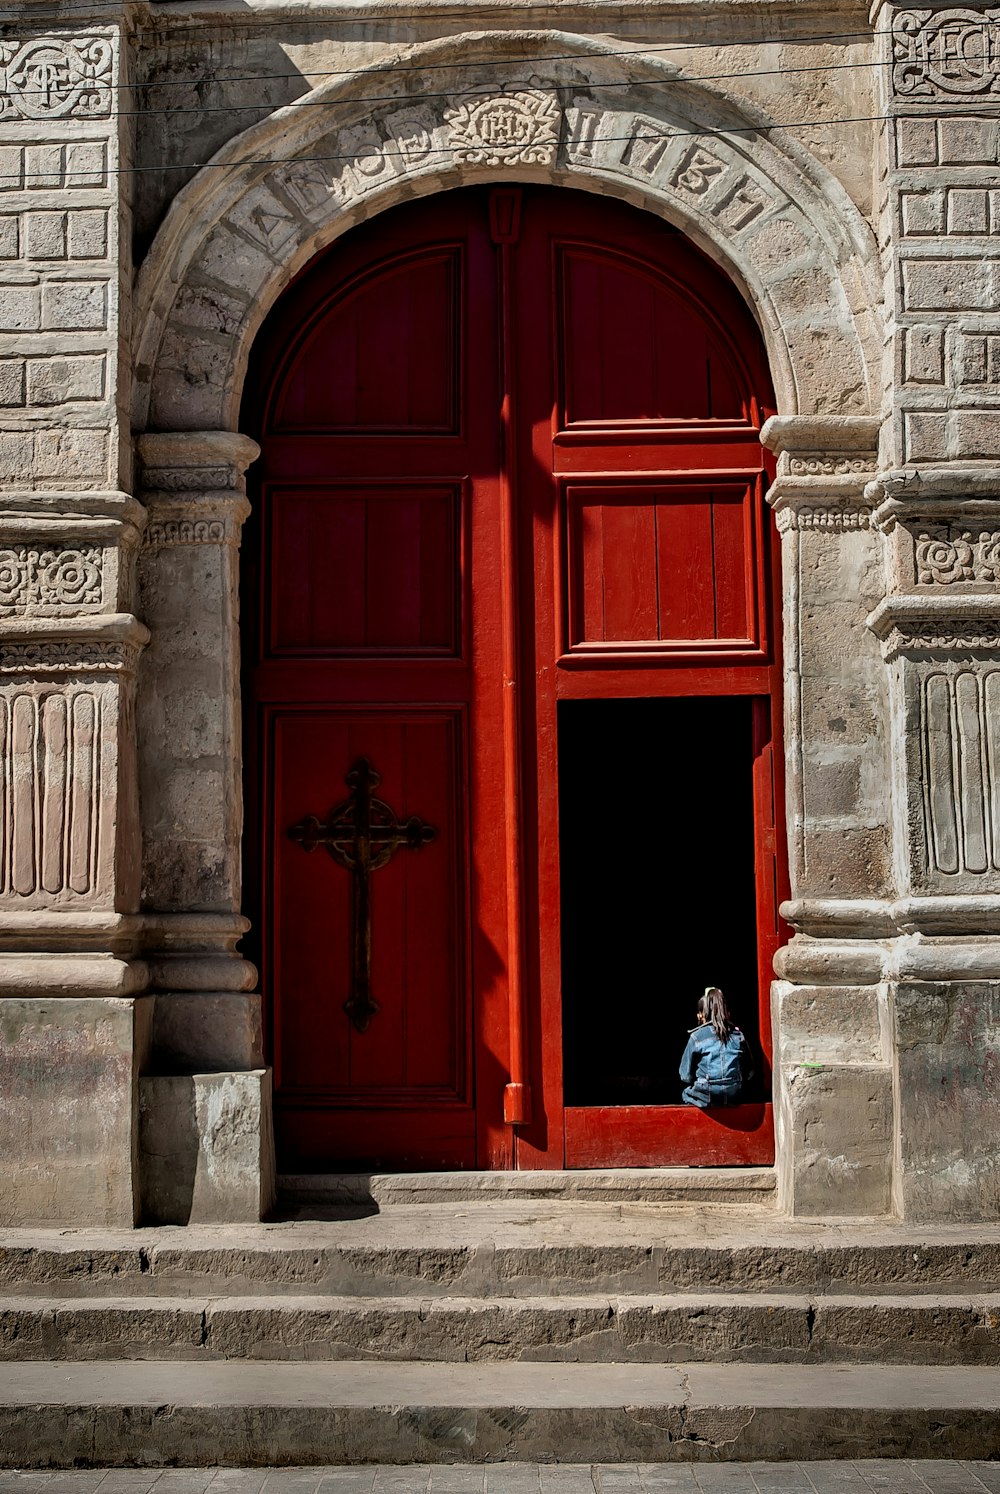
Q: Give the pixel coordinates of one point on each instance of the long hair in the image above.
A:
(712, 1006)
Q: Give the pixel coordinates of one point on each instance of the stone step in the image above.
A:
(644, 1185)
(502, 1251)
(121, 1413)
(722, 1328)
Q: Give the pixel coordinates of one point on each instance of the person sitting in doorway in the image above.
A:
(716, 1064)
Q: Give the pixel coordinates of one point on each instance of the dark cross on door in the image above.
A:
(362, 834)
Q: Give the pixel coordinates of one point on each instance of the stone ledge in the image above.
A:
(626, 1184)
(361, 1412)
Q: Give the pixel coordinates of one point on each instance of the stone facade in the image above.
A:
(162, 183)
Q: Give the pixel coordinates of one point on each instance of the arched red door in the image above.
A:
(512, 689)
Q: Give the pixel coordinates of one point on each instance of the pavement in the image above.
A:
(873, 1476)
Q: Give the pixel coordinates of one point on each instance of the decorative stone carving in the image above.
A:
(949, 553)
(818, 464)
(55, 77)
(504, 129)
(747, 195)
(960, 759)
(945, 53)
(49, 581)
(189, 479)
(50, 792)
(836, 518)
(62, 658)
(159, 534)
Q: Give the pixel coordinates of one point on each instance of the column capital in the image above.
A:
(194, 461)
(825, 466)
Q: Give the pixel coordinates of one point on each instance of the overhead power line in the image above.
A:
(438, 150)
(638, 51)
(393, 98)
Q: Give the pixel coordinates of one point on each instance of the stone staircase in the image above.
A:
(589, 1327)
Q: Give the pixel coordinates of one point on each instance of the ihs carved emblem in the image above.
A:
(504, 129)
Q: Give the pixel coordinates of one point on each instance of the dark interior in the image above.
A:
(658, 898)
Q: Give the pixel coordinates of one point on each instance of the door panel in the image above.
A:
(653, 568)
(418, 971)
(397, 367)
(631, 347)
(510, 463)
(377, 569)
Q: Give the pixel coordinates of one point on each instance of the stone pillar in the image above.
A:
(206, 1125)
(833, 1079)
(74, 1030)
(939, 623)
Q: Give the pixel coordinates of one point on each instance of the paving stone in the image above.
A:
(657, 1478)
(779, 1479)
(512, 1478)
(836, 1478)
(347, 1481)
(565, 1478)
(987, 1474)
(460, 1479)
(946, 1478)
(724, 1480)
(238, 1481)
(891, 1476)
(615, 1478)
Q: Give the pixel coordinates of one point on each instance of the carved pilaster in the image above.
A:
(190, 739)
(831, 573)
(190, 746)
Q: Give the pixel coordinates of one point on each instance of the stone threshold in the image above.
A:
(606, 1185)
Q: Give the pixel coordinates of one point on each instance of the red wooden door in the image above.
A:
(511, 486)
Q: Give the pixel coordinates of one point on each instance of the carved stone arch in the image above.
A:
(571, 112)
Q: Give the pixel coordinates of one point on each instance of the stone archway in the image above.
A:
(570, 112)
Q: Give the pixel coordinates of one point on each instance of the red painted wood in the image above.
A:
(670, 1136)
(510, 457)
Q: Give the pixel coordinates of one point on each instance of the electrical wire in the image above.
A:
(439, 150)
(638, 51)
(392, 98)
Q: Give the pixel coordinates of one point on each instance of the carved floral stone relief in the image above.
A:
(948, 553)
(50, 581)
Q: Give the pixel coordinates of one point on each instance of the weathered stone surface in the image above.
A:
(204, 1031)
(506, 1250)
(68, 1108)
(206, 1147)
(836, 1124)
(695, 1328)
(245, 1415)
(948, 1088)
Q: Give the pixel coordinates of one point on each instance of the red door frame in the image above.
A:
(520, 1118)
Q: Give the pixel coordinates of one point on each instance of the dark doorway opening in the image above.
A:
(658, 892)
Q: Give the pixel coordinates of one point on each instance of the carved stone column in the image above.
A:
(939, 624)
(940, 632)
(833, 1087)
(206, 1127)
(74, 1032)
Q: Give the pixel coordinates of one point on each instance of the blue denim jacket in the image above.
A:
(725, 1066)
